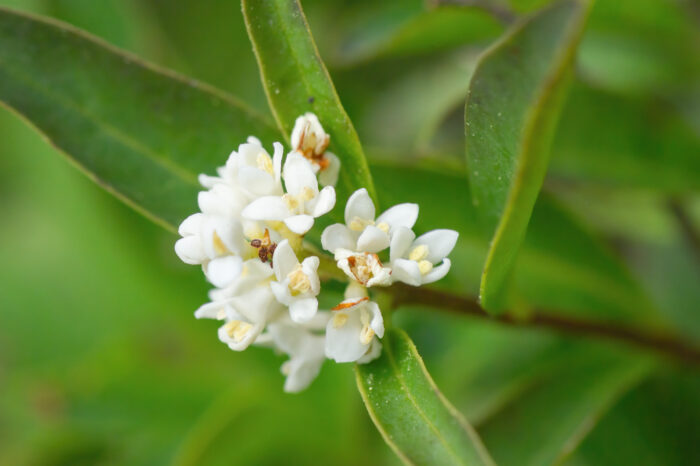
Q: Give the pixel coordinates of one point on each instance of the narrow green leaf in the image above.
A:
(140, 132)
(414, 418)
(296, 81)
(514, 100)
(549, 420)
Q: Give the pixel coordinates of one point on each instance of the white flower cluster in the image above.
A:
(248, 239)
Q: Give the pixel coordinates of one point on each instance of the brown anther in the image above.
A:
(266, 248)
(347, 304)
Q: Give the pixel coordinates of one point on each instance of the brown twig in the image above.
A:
(660, 343)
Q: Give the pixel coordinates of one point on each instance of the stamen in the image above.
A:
(366, 335)
(298, 281)
(264, 163)
(418, 253)
(219, 245)
(425, 266)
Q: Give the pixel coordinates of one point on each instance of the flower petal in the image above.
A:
(374, 351)
(438, 272)
(303, 310)
(189, 250)
(299, 224)
(301, 372)
(343, 337)
(222, 271)
(255, 181)
(325, 201)
(284, 260)
(298, 174)
(359, 205)
(277, 161)
(401, 215)
(372, 239)
(401, 240)
(267, 208)
(191, 225)
(281, 292)
(377, 321)
(310, 268)
(337, 236)
(407, 271)
(439, 242)
(329, 176)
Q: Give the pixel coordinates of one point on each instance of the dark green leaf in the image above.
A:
(414, 418)
(512, 108)
(140, 132)
(296, 81)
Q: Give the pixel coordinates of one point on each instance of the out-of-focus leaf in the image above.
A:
(407, 114)
(623, 141)
(140, 132)
(514, 100)
(412, 415)
(396, 29)
(653, 425)
(549, 420)
(564, 268)
(296, 81)
(641, 47)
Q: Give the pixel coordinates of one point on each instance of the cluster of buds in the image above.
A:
(248, 239)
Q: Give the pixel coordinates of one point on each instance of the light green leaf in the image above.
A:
(140, 132)
(514, 99)
(414, 418)
(296, 81)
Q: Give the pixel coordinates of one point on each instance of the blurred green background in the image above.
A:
(102, 362)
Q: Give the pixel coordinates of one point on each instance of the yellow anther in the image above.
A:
(307, 194)
(384, 227)
(339, 320)
(359, 224)
(425, 266)
(219, 246)
(237, 330)
(366, 335)
(265, 163)
(298, 281)
(291, 201)
(418, 253)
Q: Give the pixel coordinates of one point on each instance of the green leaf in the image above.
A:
(550, 419)
(296, 81)
(563, 268)
(414, 418)
(514, 100)
(140, 132)
(396, 29)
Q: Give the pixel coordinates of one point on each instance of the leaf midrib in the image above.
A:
(404, 388)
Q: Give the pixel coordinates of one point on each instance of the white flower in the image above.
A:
(364, 267)
(415, 260)
(305, 349)
(361, 232)
(351, 334)
(251, 170)
(310, 140)
(301, 204)
(297, 284)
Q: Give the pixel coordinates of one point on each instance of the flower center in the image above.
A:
(363, 266)
(359, 224)
(299, 282)
(296, 203)
(419, 254)
(265, 246)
